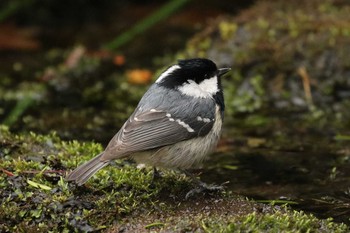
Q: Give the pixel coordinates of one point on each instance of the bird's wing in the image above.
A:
(151, 129)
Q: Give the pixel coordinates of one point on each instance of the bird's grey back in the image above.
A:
(163, 117)
(179, 105)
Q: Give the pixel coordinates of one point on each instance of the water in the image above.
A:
(308, 170)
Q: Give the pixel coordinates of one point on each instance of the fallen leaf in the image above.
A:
(74, 57)
(37, 185)
(139, 76)
(119, 60)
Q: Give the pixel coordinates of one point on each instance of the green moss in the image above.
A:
(36, 198)
(277, 222)
(34, 192)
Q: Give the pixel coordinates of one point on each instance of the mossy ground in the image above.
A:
(36, 198)
(290, 79)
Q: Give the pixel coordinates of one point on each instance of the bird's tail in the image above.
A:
(82, 173)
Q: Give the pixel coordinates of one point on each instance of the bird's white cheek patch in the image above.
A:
(205, 89)
(191, 88)
(210, 85)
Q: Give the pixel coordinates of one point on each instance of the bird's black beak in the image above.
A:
(223, 71)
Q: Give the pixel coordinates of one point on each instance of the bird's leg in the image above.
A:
(156, 174)
(200, 185)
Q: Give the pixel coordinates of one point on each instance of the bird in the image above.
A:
(175, 125)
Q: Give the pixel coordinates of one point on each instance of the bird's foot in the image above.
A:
(156, 176)
(203, 187)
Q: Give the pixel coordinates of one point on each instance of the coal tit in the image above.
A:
(176, 124)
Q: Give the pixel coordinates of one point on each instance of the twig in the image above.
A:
(306, 84)
(8, 173)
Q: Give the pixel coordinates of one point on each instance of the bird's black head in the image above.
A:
(197, 77)
(196, 69)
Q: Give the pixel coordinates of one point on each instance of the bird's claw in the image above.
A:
(205, 187)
